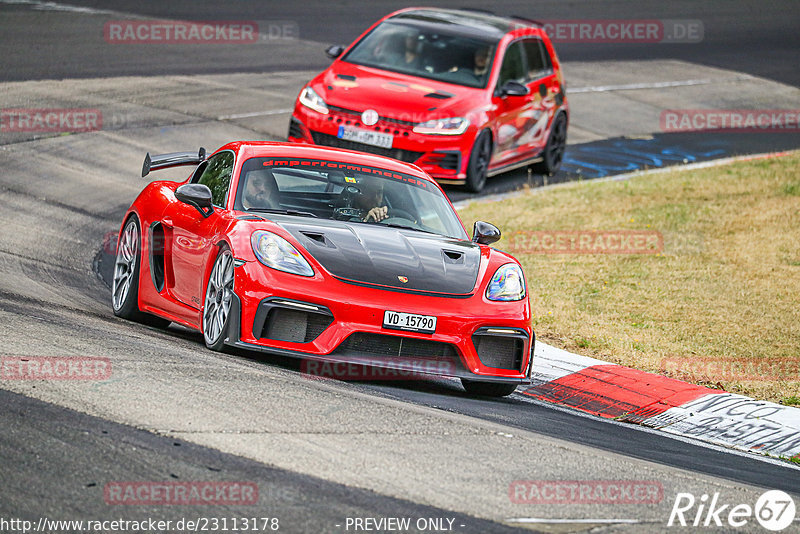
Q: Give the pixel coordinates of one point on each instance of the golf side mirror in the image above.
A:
(334, 51)
(512, 88)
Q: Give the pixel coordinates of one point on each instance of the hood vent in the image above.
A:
(453, 256)
(440, 95)
(318, 239)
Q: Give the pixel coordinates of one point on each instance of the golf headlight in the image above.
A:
(274, 251)
(310, 99)
(451, 126)
(507, 283)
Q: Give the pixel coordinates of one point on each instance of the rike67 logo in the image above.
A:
(774, 511)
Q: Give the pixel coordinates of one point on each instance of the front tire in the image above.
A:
(218, 302)
(488, 389)
(553, 153)
(125, 286)
(479, 162)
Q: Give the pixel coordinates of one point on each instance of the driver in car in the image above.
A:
(260, 191)
(370, 200)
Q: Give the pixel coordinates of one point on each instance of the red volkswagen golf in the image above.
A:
(463, 95)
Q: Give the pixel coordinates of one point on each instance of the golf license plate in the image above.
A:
(409, 321)
(367, 137)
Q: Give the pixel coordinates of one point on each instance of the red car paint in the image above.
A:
(519, 125)
(191, 243)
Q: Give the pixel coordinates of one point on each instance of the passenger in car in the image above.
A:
(476, 71)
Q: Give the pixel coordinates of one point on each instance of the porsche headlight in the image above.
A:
(507, 283)
(274, 251)
(451, 126)
(310, 99)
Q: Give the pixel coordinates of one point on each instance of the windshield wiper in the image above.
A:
(284, 212)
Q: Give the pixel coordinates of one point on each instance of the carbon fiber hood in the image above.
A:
(405, 259)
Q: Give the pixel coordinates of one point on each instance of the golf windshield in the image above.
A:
(425, 52)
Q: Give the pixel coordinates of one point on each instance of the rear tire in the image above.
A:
(125, 286)
(553, 153)
(488, 389)
(218, 301)
(479, 162)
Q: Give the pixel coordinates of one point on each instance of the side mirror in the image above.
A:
(334, 51)
(512, 88)
(485, 233)
(197, 195)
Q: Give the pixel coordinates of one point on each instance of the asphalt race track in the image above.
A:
(321, 453)
(756, 38)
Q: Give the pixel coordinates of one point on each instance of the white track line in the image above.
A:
(652, 85)
(66, 8)
(253, 114)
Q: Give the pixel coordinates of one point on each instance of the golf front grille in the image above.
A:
(295, 130)
(408, 156)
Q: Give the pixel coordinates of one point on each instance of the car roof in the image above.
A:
(274, 149)
(475, 23)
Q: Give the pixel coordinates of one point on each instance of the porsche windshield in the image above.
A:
(345, 192)
(426, 52)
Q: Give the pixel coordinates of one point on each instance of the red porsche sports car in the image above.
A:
(462, 94)
(326, 254)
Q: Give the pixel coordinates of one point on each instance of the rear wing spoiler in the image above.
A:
(173, 159)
